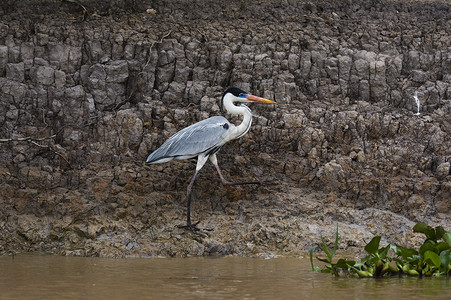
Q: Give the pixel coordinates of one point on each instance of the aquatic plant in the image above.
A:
(330, 255)
(432, 259)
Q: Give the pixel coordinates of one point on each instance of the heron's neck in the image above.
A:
(242, 110)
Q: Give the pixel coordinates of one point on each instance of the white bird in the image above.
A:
(203, 139)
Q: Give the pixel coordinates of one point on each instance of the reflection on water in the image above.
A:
(52, 277)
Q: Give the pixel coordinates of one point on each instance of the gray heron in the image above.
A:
(203, 139)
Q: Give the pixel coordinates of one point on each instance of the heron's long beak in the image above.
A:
(259, 99)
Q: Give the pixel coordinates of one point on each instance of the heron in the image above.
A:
(205, 138)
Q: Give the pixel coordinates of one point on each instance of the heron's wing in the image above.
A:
(202, 137)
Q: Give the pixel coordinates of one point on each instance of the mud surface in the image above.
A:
(88, 90)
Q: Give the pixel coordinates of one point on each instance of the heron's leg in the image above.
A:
(201, 160)
(188, 199)
(214, 160)
(223, 180)
(189, 225)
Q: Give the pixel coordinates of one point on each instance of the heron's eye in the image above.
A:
(242, 95)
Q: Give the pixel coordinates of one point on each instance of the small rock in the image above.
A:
(45, 75)
(42, 39)
(15, 71)
(60, 78)
(293, 62)
(443, 170)
(117, 71)
(419, 76)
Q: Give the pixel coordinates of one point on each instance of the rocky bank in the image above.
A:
(88, 89)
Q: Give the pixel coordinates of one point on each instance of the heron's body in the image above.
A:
(203, 139)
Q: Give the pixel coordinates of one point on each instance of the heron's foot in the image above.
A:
(190, 226)
(194, 229)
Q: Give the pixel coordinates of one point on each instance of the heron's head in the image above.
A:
(237, 95)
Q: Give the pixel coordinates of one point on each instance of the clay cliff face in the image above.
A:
(88, 90)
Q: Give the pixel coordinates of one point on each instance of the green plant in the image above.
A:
(329, 254)
(378, 261)
(432, 259)
(330, 267)
(435, 252)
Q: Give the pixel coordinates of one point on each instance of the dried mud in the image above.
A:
(88, 90)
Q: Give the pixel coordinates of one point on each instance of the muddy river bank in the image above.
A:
(88, 90)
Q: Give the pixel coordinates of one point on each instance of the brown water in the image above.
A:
(53, 277)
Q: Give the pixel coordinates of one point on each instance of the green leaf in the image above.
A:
(393, 269)
(358, 265)
(439, 232)
(439, 247)
(344, 263)
(399, 261)
(445, 257)
(386, 268)
(314, 268)
(413, 272)
(363, 274)
(411, 254)
(373, 245)
(438, 274)
(405, 268)
(433, 234)
(432, 259)
(323, 260)
(325, 249)
(429, 245)
(396, 249)
(383, 252)
(373, 260)
(421, 227)
(447, 237)
(403, 252)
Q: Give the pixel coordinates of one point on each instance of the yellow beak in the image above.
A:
(259, 99)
